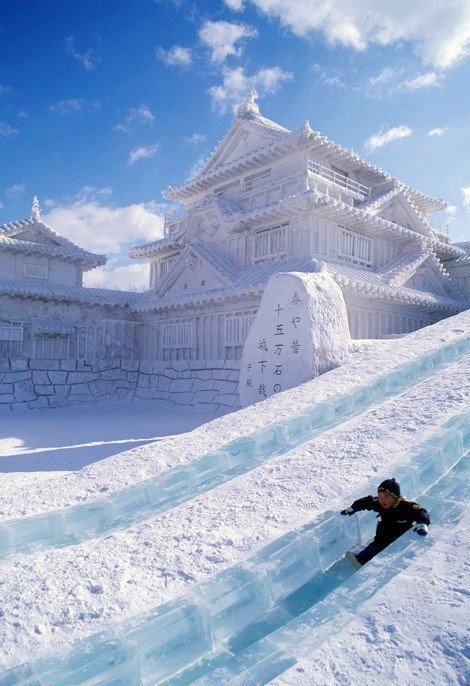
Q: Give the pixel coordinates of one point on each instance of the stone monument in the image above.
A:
(300, 331)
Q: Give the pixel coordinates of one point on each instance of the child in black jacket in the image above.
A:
(397, 515)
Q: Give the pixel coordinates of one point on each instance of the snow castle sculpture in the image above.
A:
(300, 331)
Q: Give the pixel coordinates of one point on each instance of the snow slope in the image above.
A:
(125, 572)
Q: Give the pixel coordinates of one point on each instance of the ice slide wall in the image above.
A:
(158, 647)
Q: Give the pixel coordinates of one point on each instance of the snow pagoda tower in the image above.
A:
(271, 200)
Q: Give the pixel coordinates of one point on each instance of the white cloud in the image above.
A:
(128, 277)
(328, 77)
(386, 75)
(222, 38)
(16, 190)
(428, 80)
(91, 221)
(235, 5)
(87, 58)
(177, 56)
(378, 140)
(74, 106)
(438, 30)
(195, 138)
(22, 114)
(451, 210)
(466, 195)
(6, 130)
(136, 116)
(142, 152)
(438, 131)
(236, 85)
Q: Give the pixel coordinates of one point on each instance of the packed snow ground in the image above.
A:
(414, 632)
(125, 572)
(41, 445)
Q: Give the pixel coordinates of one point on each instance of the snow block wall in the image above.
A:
(300, 331)
(26, 384)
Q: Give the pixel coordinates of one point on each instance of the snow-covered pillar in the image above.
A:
(300, 331)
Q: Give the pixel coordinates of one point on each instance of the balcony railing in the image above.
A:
(172, 220)
(339, 179)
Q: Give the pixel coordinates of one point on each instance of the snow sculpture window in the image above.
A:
(255, 179)
(236, 331)
(11, 332)
(222, 190)
(113, 339)
(271, 242)
(35, 271)
(177, 340)
(355, 247)
(51, 345)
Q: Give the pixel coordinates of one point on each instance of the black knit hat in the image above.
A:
(390, 486)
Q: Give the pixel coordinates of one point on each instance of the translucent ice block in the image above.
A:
(341, 406)
(130, 500)
(36, 528)
(366, 523)
(270, 442)
(4, 542)
(87, 517)
(429, 465)
(171, 637)
(98, 660)
(297, 429)
(461, 423)
(334, 537)
(171, 488)
(289, 561)
(241, 451)
(450, 445)
(210, 467)
(408, 478)
(235, 598)
(16, 676)
(320, 415)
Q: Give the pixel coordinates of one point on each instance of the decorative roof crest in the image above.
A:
(35, 210)
(249, 107)
(305, 131)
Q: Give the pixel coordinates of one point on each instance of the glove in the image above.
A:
(348, 511)
(421, 529)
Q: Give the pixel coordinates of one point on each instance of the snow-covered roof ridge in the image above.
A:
(10, 239)
(221, 263)
(50, 291)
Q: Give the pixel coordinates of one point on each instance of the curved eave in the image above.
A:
(57, 293)
(85, 259)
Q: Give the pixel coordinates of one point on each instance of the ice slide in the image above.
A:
(251, 622)
(154, 496)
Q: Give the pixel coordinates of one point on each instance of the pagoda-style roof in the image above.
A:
(254, 140)
(252, 281)
(34, 236)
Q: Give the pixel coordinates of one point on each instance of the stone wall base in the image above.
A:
(27, 384)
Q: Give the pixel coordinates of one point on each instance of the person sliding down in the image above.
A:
(397, 515)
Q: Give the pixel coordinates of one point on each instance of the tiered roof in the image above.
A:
(49, 243)
(280, 141)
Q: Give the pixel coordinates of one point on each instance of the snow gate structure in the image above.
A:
(268, 200)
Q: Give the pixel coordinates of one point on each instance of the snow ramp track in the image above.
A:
(251, 622)
(154, 496)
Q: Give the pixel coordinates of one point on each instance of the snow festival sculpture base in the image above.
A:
(300, 331)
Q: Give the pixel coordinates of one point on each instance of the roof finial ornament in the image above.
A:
(305, 131)
(249, 107)
(35, 209)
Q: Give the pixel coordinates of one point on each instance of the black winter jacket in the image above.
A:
(395, 520)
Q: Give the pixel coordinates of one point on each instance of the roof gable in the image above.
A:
(249, 131)
(400, 209)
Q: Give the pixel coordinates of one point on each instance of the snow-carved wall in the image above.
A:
(27, 384)
(300, 331)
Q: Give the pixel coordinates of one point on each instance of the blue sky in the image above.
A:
(103, 104)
